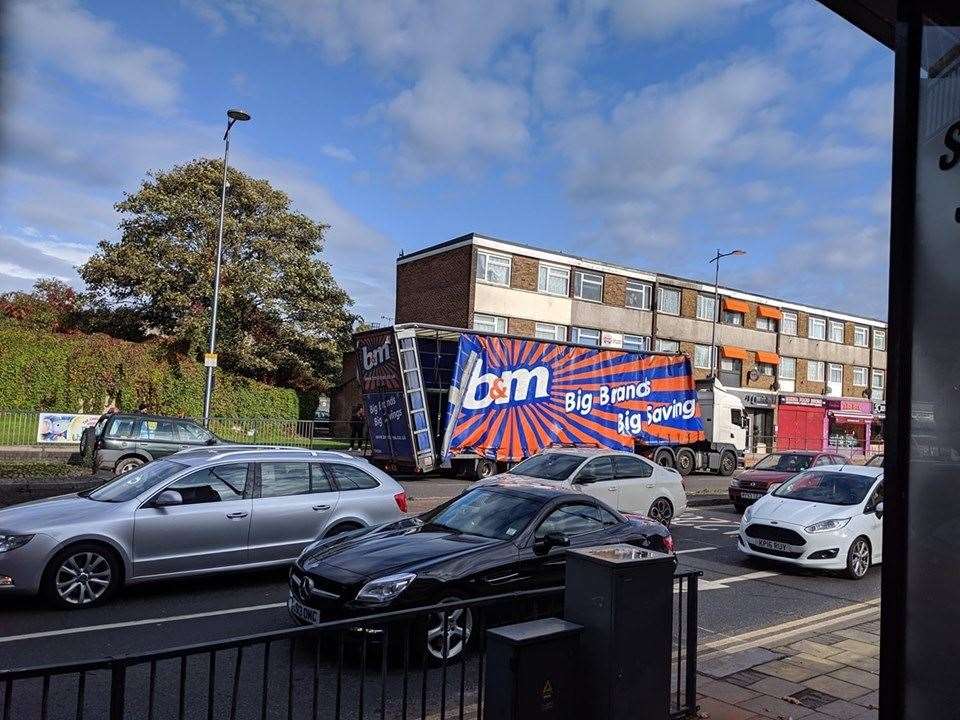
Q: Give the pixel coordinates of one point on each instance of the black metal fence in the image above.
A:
(380, 666)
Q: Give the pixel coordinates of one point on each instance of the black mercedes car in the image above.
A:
(490, 540)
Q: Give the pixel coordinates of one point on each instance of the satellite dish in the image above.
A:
(754, 375)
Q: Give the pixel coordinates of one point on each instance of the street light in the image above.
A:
(715, 356)
(233, 116)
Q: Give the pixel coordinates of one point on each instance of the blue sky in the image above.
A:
(638, 131)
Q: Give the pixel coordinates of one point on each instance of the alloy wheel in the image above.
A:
(860, 558)
(661, 511)
(459, 627)
(83, 578)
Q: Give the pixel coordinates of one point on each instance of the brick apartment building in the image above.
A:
(809, 377)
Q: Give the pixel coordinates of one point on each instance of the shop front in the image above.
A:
(801, 422)
(758, 406)
(878, 428)
(849, 426)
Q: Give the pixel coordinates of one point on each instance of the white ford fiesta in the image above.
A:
(829, 517)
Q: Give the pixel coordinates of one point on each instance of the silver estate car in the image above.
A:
(198, 511)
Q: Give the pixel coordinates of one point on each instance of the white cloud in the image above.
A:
(868, 112)
(338, 153)
(811, 35)
(61, 34)
(657, 19)
(449, 120)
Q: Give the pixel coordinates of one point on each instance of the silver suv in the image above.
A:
(198, 511)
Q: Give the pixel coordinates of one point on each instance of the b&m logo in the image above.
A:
(512, 386)
(377, 356)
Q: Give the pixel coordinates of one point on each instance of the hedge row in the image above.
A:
(85, 373)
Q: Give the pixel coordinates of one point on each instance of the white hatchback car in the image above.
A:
(622, 480)
(829, 517)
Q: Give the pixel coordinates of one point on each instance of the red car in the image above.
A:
(773, 469)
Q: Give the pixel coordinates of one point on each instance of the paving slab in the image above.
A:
(837, 688)
(861, 648)
(788, 671)
(724, 665)
(858, 677)
(728, 692)
(814, 699)
(776, 707)
(776, 687)
(842, 709)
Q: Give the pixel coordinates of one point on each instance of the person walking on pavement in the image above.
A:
(357, 426)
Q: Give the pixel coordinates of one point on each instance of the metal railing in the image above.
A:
(372, 667)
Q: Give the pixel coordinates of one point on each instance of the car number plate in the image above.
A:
(302, 611)
(751, 495)
(774, 545)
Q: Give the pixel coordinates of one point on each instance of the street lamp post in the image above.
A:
(233, 116)
(715, 356)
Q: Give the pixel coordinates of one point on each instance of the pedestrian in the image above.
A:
(357, 426)
(142, 408)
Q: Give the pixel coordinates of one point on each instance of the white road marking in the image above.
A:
(732, 532)
(690, 550)
(134, 623)
(725, 583)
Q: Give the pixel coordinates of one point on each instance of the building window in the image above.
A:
(861, 336)
(669, 346)
(668, 301)
(879, 339)
(636, 343)
(493, 268)
(860, 377)
(585, 336)
(706, 308)
(767, 324)
(788, 323)
(787, 373)
(878, 378)
(766, 369)
(549, 331)
(815, 370)
(836, 373)
(728, 317)
(639, 294)
(553, 280)
(588, 286)
(489, 323)
(817, 328)
(836, 331)
(702, 357)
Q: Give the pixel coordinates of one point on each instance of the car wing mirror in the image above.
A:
(550, 540)
(168, 498)
(879, 509)
(211, 441)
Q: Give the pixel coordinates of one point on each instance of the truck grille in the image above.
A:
(777, 534)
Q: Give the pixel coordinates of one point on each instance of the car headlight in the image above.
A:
(734, 483)
(386, 588)
(827, 525)
(12, 542)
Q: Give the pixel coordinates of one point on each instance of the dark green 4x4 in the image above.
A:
(123, 442)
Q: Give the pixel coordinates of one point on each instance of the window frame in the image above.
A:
(258, 494)
(617, 459)
(702, 300)
(642, 346)
(866, 376)
(495, 318)
(646, 292)
(831, 326)
(661, 289)
(660, 342)
(335, 481)
(696, 361)
(789, 361)
(880, 335)
(874, 374)
(823, 370)
(251, 485)
(766, 369)
(560, 331)
(821, 321)
(575, 332)
(542, 287)
(732, 318)
(789, 318)
(765, 324)
(579, 277)
(559, 508)
(488, 254)
(857, 330)
(830, 368)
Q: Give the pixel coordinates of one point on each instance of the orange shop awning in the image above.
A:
(769, 312)
(770, 358)
(734, 305)
(731, 351)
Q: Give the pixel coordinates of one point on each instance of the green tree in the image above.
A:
(52, 305)
(282, 316)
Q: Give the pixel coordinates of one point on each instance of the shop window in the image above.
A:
(861, 336)
(549, 331)
(668, 301)
(788, 323)
(553, 280)
(706, 308)
(489, 323)
(639, 295)
(588, 286)
(493, 268)
(817, 329)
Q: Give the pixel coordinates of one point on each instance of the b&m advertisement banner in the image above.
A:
(510, 398)
(378, 369)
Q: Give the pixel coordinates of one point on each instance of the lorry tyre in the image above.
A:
(664, 457)
(485, 468)
(728, 463)
(686, 461)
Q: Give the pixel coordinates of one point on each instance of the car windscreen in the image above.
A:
(129, 485)
(549, 466)
(785, 462)
(831, 488)
(487, 513)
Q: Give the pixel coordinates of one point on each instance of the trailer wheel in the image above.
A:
(686, 461)
(728, 463)
(485, 468)
(664, 456)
